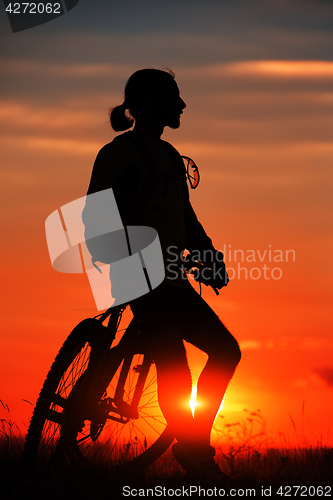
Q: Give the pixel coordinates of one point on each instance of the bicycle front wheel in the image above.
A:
(70, 364)
(125, 425)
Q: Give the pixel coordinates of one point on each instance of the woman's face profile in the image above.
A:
(171, 105)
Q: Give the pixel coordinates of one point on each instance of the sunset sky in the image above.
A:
(257, 78)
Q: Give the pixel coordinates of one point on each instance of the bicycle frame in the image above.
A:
(100, 370)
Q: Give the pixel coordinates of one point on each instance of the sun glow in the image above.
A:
(193, 399)
(221, 406)
(194, 403)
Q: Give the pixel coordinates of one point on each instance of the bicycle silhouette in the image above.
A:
(99, 401)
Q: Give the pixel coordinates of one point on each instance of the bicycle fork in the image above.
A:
(130, 410)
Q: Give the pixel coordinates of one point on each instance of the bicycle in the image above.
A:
(98, 403)
(91, 392)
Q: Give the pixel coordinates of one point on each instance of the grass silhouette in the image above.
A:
(244, 450)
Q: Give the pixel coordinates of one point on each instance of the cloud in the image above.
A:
(176, 35)
(285, 69)
(228, 103)
(250, 345)
(24, 119)
(326, 374)
(291, 343)
(265, 138)
(60, 146)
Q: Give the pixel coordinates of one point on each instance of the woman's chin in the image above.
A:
(175, 123)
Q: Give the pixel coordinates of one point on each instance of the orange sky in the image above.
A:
(261, 133)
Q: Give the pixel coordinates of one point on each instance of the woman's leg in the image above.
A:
(159, 316)
(168, 315)
(223, 356)
(205, 331)
(174, 382)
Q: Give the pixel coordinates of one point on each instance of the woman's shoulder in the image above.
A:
(118, 144)
(174, 153)
(171, 148)
(113, 161)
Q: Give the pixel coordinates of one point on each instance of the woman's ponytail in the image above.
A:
(143, 84)
(119, 120)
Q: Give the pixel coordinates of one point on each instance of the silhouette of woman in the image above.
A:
(149, 182)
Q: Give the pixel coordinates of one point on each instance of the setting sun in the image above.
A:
(193, 398)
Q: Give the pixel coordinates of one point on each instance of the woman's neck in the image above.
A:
(151, 130)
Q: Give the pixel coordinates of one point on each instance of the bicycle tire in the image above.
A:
(43, 441)
(41, 438)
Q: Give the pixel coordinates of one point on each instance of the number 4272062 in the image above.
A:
(305, 491)
(33, 8)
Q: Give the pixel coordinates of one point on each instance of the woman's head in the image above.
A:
(149, 93)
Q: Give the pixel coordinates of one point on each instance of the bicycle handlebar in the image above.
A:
(201, 272)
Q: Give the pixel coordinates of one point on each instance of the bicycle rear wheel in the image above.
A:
(73, 421)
